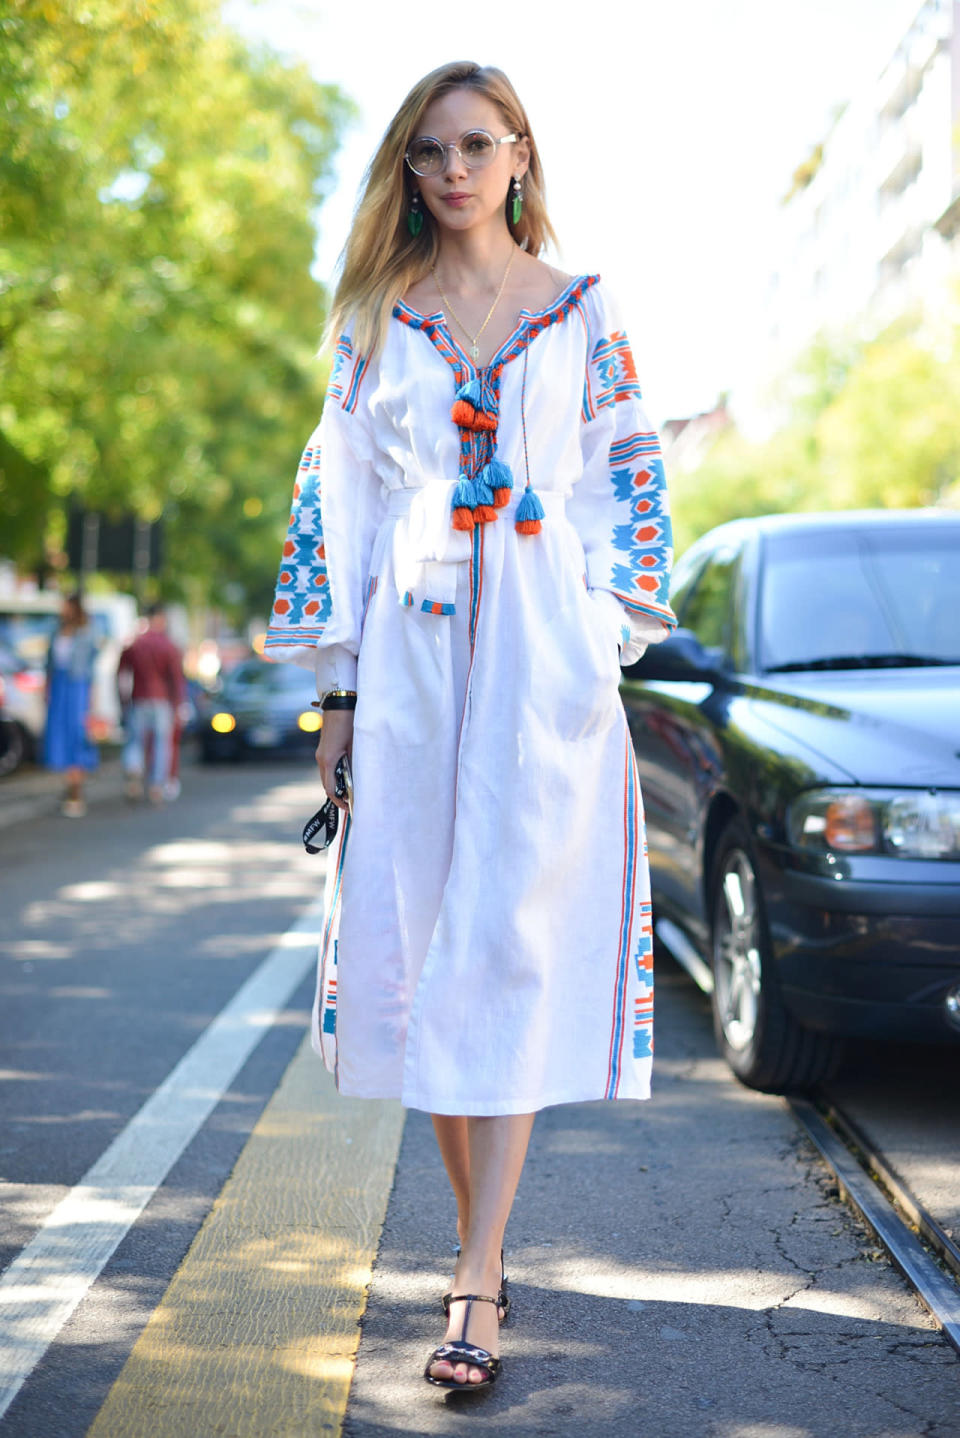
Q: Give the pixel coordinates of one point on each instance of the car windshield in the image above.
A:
(265, 678)
(861, 597)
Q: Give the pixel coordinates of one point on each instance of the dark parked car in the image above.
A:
(258, 707)
(798, 741)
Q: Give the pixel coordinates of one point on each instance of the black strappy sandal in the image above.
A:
(503, 1297)
(460, 1351)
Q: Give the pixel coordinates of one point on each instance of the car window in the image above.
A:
(253, 674)
(857, 592)
(708, 610)
(686, 572)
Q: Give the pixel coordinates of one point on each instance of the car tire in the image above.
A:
(765, 1046)
(13, 746)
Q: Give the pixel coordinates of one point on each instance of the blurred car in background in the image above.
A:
(798, 742)
(258, 707)
(23, 710)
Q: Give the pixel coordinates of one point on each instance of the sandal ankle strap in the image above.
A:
(471, 1298)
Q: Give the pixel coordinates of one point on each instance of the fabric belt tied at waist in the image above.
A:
(428, 551)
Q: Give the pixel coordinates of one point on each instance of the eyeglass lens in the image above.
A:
(428, 157)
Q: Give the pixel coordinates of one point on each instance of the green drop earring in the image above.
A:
(415, 216)
(516, 208)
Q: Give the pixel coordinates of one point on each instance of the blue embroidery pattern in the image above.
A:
(342, 356)
(303, 601)
(615, 370)
(643, 1003)
(642, 578)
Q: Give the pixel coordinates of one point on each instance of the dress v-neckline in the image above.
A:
(528, 326)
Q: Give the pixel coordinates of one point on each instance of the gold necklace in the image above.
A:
(474, 339)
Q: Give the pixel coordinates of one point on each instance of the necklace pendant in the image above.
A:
(475, 352)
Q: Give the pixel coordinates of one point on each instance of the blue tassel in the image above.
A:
(464, 494)
(482, 487)
(471, 393)
(501, 482)
(529, 513)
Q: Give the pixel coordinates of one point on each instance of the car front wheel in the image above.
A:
(759, 1038)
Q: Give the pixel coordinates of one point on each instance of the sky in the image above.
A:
(668, 131)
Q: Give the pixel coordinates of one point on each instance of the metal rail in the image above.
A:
(918, 1217)
(935, 1289)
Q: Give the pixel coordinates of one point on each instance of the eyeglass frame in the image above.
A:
(512, 138)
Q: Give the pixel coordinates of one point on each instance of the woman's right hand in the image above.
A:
(336, 738)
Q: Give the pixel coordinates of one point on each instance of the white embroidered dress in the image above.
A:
(487, 946)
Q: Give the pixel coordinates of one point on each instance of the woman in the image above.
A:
(70, 662)
(478, 523)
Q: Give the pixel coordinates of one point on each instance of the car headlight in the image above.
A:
(223, 723)
(309, 721)
(914, 823)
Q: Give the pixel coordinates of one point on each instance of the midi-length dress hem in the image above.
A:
(427, 1103)
(488, 928)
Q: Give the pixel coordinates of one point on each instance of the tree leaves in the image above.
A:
(158, 320)
(874, 425)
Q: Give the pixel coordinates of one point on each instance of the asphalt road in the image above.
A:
(679, 1267)
(123, 936)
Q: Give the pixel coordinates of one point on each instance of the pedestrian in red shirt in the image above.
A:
(151, 684)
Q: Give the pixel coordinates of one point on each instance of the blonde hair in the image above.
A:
(381, 259)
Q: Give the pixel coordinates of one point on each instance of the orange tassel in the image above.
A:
(463, 414)
(528, 526)
(463, 518)
(484, 513)
(483, 420)
(501, 497)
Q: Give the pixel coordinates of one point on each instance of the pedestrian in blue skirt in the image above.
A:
(70, 661)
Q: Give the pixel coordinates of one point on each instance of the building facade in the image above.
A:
(870, 226)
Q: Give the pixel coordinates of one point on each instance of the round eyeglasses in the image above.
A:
(428, 156)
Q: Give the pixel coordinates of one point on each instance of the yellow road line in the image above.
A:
(257, 1333)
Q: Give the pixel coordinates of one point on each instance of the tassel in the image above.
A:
(501, 482)
(529, 513)
(466, 404)
(464, 503)
(467, 411)
(471, 392)
(467, 416)
(485, 509)
(482, 488)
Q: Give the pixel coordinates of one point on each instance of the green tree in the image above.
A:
(874, 425)
(158, 320)
(891, 437)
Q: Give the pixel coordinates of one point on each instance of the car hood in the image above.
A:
(883, 726)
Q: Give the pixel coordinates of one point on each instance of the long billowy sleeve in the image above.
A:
(337, 508)
(619, 505)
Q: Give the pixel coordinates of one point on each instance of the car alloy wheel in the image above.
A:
(737, 952)
(765, 1046)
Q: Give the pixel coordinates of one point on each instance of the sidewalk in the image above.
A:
(32, 793)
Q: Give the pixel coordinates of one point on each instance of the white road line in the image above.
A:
(53, 1273)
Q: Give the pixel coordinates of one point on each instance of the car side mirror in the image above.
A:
(682, 656)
